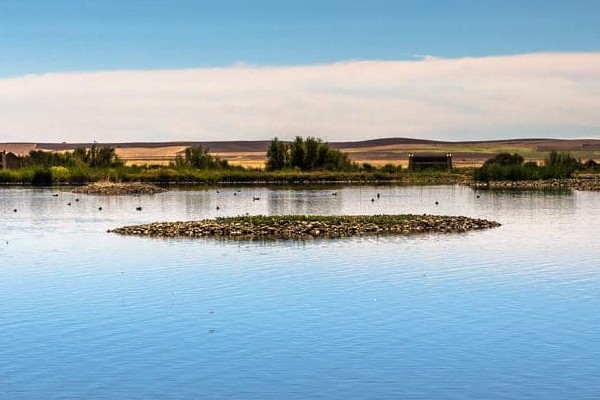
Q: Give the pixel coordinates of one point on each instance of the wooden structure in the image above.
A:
(9, 160)
(421, 162)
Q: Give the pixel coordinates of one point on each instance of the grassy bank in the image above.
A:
(167, 175)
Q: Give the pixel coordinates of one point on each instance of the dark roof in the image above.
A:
(429, 156)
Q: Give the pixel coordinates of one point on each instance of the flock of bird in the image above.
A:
(235, 193)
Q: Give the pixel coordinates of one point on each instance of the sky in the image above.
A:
(81, 70)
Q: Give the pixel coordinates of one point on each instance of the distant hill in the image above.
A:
(262, 145)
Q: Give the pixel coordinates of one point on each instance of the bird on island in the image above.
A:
(372, 200)
(377, 195)
(478, 196)
(436, 203)
(255, 198)
(99, 208)
(15, 210)
(55, 195)
(334, 194)
(234, 193)
(138, 208)
(76, 199)
(218, 208)
(69, 203)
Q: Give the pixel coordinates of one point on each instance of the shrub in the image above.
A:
(42, 177)
(199, 158)
(367, 167)
(391, 168)
(60, 174)
(505, 159)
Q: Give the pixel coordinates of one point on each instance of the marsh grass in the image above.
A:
(276, 220)
(82, 174)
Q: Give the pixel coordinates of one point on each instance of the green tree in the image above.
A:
(309, 154)
(277, 155)
(95, 156)
(198, 157)
(297, 153)
(313, 148)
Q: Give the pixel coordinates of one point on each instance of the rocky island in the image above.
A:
(307, 227)
(584, 182)
(118, 188)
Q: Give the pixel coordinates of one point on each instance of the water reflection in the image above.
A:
(503, 313)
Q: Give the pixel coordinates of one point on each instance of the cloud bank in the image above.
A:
(532, 95)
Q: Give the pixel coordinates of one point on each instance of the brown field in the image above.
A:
(148, 155)
(376, 152)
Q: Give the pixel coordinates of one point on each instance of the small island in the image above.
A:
(285, 227)
(118, 188)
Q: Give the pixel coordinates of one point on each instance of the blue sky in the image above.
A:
(84, 35)
(149, 70)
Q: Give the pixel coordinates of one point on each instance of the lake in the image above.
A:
(510, 312)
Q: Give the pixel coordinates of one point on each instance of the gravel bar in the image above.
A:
(307, 227)
(117, 189)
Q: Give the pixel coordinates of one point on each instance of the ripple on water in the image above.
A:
(509, 312)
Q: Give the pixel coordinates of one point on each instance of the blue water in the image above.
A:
(508, 313)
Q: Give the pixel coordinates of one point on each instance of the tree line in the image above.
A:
(301, 154)
(95, 157)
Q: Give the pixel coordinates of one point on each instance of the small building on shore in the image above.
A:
(421, 162)
(9, 160)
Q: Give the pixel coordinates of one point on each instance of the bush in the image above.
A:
(80, 174)
(199, 158)
(42, 177)
(10, 176)
(506, 167)
(367, 167)
(561, 165)
(60, 174)
(391, 168)
(505, 159)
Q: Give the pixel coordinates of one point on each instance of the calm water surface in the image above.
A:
(505, 313)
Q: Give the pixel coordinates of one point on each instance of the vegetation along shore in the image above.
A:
(301, 161)
(307, 227)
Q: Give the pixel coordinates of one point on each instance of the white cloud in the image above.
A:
(546, 94)
(426, 57)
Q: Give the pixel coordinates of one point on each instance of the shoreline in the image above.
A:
(584, 183)
(591, 183)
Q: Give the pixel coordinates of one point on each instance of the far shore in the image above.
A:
(590, 182)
